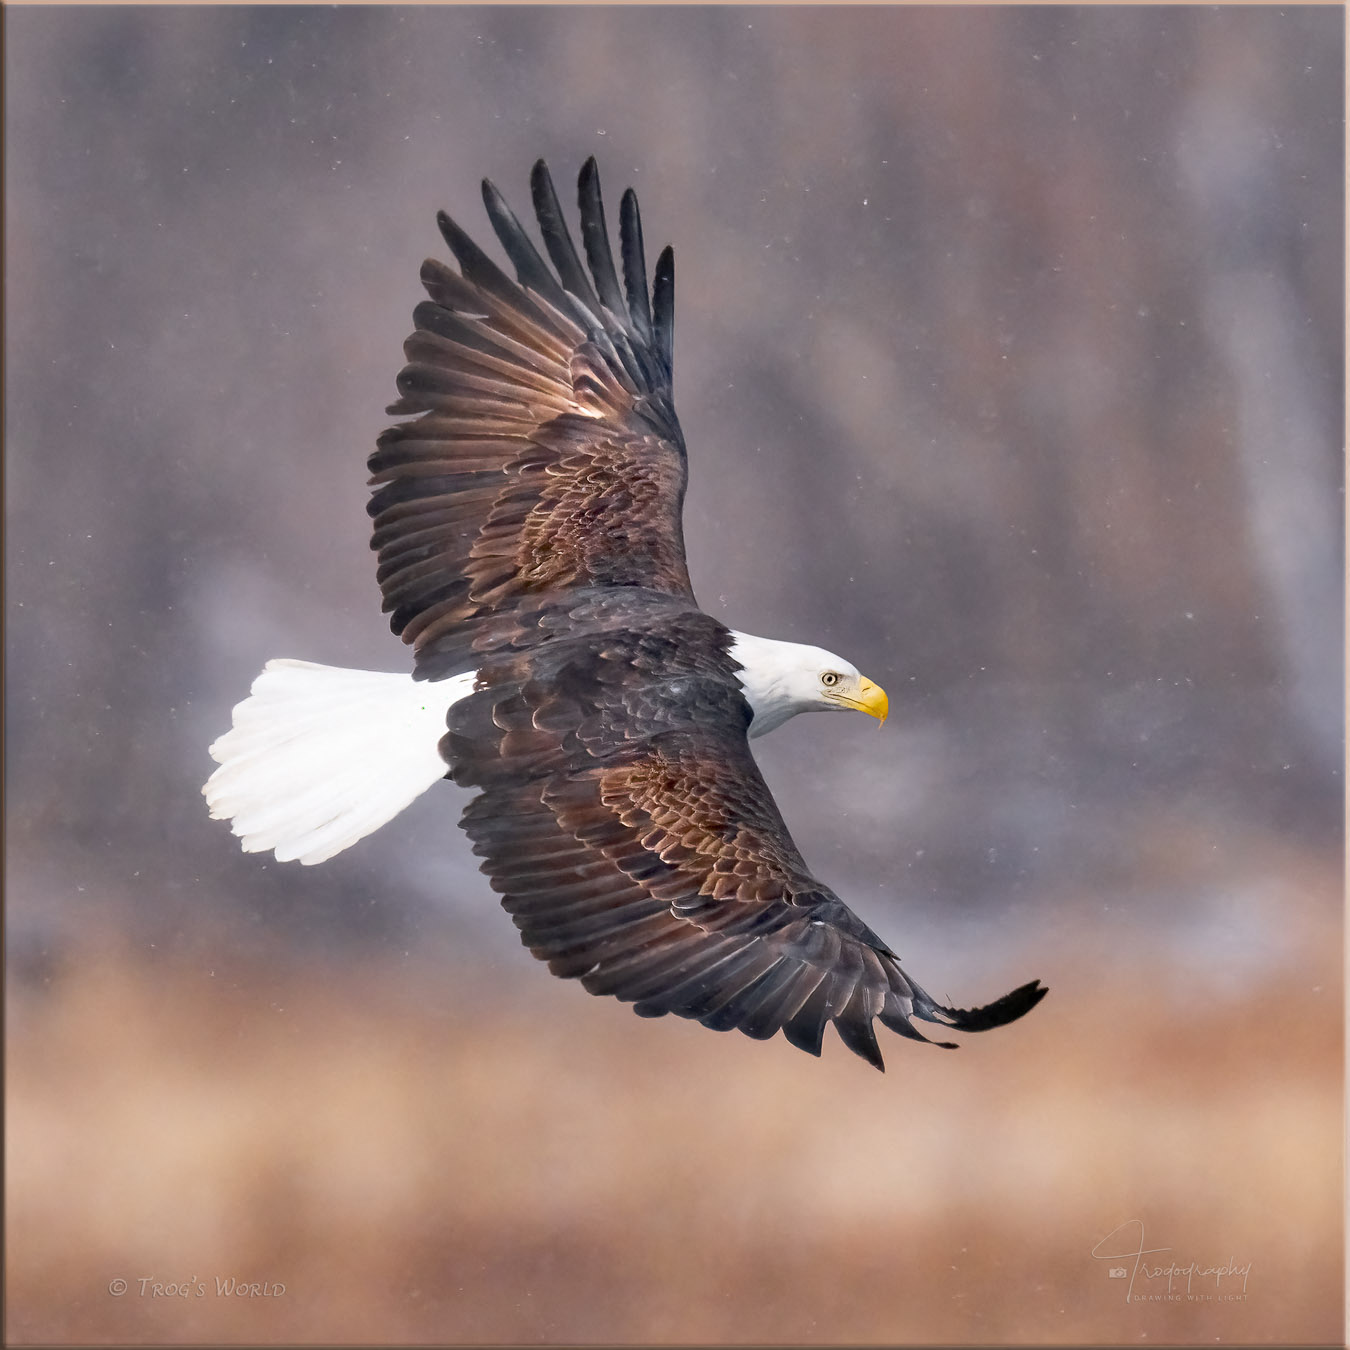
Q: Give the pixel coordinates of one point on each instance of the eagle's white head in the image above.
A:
(782, 679)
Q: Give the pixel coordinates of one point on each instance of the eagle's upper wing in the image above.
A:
(638, 848)
(546, 455)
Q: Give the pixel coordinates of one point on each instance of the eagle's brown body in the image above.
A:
(528, 526)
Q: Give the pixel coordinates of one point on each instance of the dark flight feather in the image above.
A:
(663, 310)
(595, 238)
(634, 265)
(557, 238)
(476, 267)
(531, 270)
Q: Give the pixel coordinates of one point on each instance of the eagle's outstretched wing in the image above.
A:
(546, 455)
(637, 847)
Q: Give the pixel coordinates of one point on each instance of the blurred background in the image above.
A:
(1009, 356)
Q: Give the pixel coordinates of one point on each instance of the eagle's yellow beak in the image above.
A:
(871, 699)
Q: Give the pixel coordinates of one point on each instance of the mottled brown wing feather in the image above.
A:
(639, 850)
(544, 454)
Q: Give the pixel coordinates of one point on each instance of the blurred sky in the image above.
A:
(1009, 354)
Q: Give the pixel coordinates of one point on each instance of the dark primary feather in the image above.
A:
(638, 849)
(531, 269)
(663, 310)
(558, 239)
(634, 265)
(543, 454)
(595, 237)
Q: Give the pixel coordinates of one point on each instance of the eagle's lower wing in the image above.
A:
(638, 849)
(546, 454)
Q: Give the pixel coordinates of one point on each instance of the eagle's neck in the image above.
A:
(772, 677)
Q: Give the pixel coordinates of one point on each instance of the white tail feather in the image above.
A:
(319, 757)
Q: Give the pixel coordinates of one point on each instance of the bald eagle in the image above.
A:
(527, 521)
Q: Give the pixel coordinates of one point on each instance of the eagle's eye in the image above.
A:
(830, 678)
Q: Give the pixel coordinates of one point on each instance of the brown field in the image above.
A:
(418, 1161)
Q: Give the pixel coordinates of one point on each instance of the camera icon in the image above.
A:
(1116, 1272)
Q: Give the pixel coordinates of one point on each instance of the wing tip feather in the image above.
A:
(999, 1013)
